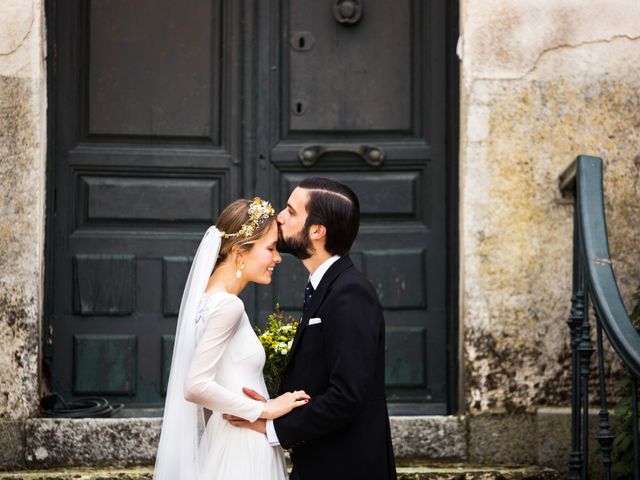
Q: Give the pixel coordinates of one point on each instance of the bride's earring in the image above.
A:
(239, 270)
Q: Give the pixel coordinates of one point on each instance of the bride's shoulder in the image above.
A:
(224, 302)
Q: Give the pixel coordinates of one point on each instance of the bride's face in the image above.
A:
(262, 258)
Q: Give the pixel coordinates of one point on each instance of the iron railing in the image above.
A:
(594, 284)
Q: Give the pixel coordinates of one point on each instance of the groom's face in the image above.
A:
(293, 237)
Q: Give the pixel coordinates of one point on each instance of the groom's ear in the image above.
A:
(316, 232)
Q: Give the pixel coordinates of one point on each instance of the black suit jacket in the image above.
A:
(343, 432)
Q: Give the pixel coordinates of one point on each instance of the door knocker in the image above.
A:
(347, 11)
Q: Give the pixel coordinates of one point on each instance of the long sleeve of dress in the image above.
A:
(200, 385)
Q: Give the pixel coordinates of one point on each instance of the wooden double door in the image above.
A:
(162, 112)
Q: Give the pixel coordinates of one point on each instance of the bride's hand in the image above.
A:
(284, 404)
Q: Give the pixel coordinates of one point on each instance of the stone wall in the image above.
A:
(22, 176)
(541, 82)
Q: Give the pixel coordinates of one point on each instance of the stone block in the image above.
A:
(115, 442)
(12, 442)
(554, 439)
(433, 437)
(503, 438)
(120, 442)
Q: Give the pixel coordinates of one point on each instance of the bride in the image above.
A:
(216, 353)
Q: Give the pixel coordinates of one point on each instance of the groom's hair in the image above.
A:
(335, 206)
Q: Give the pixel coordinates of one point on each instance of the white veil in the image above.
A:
(183, 422)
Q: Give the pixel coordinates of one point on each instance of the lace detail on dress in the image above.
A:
(202, 313)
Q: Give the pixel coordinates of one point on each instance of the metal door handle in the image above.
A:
(374, 156)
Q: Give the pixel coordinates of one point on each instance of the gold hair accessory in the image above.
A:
(259, 210)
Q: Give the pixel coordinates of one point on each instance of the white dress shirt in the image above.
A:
(315, 279)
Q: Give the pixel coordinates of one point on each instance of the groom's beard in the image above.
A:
(297, 245)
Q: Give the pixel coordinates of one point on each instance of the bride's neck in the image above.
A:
(224, 279)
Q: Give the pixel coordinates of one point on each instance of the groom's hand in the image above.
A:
(253, 394)
(259, 425)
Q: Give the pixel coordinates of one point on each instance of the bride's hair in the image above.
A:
(231, 220)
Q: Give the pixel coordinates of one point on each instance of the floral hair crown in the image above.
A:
(259, 210)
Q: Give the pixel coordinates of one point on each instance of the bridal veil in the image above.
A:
(178, 456)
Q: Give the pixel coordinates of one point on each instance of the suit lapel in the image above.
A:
(316, 300)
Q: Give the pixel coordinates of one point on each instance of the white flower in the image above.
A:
(285, 328)
(289, 344)
(284, 351)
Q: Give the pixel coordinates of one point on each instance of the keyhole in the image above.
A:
(298, 106)
(302, 41)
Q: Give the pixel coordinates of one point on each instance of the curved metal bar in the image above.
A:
(309, 155)
(597, 260)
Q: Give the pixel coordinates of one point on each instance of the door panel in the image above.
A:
(129, 91)
(341, 79)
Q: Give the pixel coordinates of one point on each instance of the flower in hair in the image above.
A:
(259, 210)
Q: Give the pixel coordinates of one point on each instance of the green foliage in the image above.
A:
(276, 339)
(623, 428)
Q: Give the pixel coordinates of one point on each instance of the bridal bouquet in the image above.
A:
(276, 339)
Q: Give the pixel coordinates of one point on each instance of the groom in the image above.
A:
(338, 353)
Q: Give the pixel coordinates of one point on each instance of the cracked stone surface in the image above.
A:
(15, 32)
(504, 39)
(541, 83)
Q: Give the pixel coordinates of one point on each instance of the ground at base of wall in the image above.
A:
(413, 471)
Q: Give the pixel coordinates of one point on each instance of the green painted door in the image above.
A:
(162, 112)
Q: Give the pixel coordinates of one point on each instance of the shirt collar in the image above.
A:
(319, 272)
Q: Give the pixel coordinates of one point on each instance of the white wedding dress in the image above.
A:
(229, 356)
